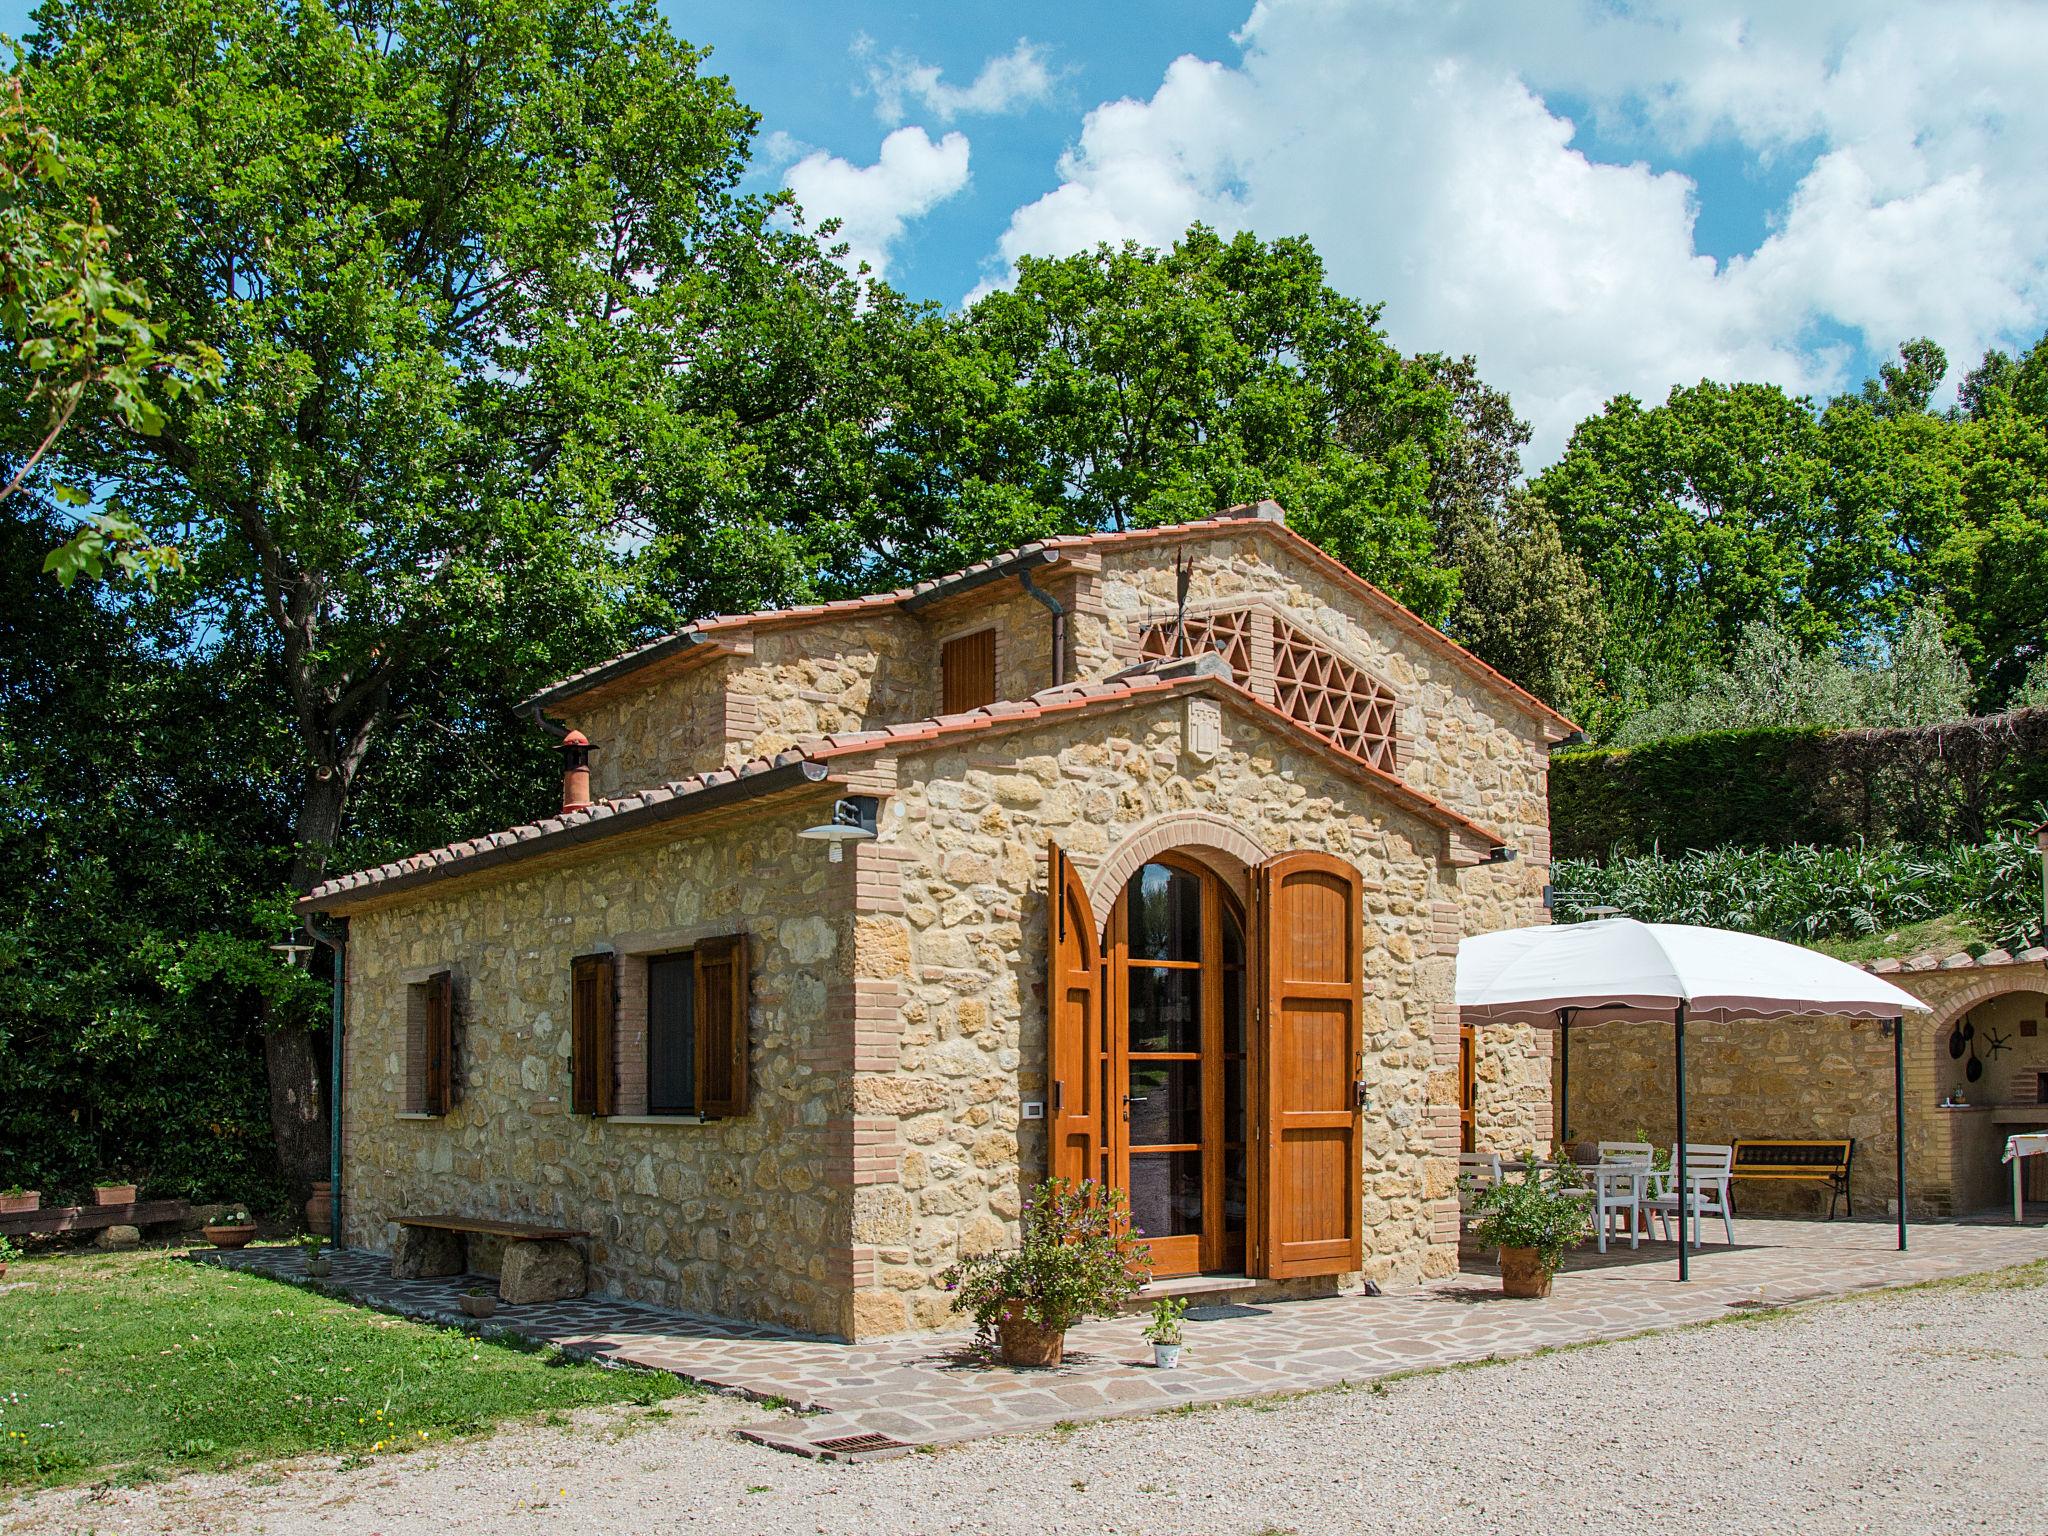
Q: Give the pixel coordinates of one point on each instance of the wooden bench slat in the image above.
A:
(515, 1231)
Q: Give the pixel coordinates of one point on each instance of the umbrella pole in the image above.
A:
(1899, 1108)
(1684, 1188)
(1564, 1089)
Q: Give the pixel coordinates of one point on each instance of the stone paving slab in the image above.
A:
(933, 1389)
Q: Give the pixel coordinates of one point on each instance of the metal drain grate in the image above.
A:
(855, 1445)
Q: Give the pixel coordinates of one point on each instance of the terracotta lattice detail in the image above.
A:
(1310, 682)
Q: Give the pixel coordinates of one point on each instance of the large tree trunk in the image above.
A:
(298, 1110)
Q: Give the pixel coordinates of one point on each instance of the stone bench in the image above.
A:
(541, 1263)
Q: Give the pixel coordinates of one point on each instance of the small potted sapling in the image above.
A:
(1532, 1221)
(231, 1229)
(479, 1301)
(1164, 1331)
(112, 1192)
(16, 1201)
(318, 1264)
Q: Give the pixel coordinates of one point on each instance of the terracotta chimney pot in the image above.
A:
(575, 771)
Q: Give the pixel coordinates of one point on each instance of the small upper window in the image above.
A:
(968, 665)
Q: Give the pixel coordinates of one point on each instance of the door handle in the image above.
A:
(1360, 1094)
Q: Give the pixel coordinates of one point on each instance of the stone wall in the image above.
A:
(1820, 1077)
(745, 1217)
(658, 730)
(956, 936)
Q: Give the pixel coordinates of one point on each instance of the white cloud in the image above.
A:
(1009, 82)
(1413, 143)
(874, 202)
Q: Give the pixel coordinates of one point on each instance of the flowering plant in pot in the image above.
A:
(231, 1229)
(16, 1201)
(1164, 1331)
(9, 1252)
(313, 1246)
(1532, 1221)
(479, 1301)
(113, 1192)
(1077, 1259)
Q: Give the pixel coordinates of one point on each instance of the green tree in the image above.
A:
(1126, 388)
(78, 331)
(455, 258)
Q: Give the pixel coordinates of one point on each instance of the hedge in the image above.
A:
(1777, 788)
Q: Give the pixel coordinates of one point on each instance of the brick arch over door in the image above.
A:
(1232, 849)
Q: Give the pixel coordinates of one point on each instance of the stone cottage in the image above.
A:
(1141, 856)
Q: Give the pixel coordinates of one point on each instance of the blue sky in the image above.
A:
(1591, 196)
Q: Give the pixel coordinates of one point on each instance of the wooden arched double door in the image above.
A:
(1204, 1058)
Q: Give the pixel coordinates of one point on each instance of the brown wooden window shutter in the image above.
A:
(968, 669)
(593, 1032)
(721, 1021)
(440, 1042)
(1074, 1037)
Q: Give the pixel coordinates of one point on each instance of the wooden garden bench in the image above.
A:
(1825, 1158)
(541, 1263)
(86, 1218)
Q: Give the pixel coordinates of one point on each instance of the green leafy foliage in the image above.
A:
(143, 1366)
(1806, 894)
(1077, 1259)
(1543, 1208)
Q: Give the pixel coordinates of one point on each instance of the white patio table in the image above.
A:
(2017, 1150)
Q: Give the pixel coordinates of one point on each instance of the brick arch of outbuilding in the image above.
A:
(1220, 843)
(1983, 987)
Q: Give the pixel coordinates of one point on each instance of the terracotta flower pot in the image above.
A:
(479, 1306)
(113, 1194)
(21, 1204)
(1022, 1342)
(320, 1207)
(230, 1237)
(1522, 1273)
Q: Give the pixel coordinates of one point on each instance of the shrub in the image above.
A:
(1078, 1259)
(1543, 1209)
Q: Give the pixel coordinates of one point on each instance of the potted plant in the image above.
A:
(9, 1252)
(1532, 1221)
(231, 1229)
(1078, 1259)
(16, 1201)
(479, 1301)
(318, 1264)
(1164, 1331)
(109, 1192)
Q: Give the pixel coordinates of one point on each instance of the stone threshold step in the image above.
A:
(1194, 1285)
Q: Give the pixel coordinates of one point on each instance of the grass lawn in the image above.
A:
(127, 1366)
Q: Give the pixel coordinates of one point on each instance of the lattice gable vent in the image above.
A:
(1303, 677)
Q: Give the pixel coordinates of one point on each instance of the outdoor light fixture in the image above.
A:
(294, 948)
(853, 821)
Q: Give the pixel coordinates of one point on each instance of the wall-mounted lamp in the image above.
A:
(1501, 856)
(853, 821)
(294, 948)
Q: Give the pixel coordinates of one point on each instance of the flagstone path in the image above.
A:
(894, 1394)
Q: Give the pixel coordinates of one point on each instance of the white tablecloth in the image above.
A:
(2031, 1144)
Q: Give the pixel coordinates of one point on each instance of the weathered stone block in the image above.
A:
(119, 1236)
(423, 1253)
(541, 1272)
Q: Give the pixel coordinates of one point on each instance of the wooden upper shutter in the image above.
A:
(721, 1021)
(593, 1034)
(1468, 1089)
(1074, 1041)
(1311, 991)
(440, 1041)
(968, 670)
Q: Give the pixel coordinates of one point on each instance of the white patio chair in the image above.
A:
(1482, 1168)
(1616, 1183)
(1708, 1168)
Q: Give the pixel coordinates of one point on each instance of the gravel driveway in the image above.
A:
(1897, 1412)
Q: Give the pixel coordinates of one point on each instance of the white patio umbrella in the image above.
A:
(1618, 968)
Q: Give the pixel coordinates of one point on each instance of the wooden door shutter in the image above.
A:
(440, 1074)
(1073, 1023)
(721, 1023)
(593, 1034)
(967, 668)
(1311, 991)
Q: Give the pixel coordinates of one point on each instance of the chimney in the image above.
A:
(575, 771)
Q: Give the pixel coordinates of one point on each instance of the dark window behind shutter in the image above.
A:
(968, 672)
(671, 1043)
(721, 1019)
(440, 1043)
(593, 1009)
